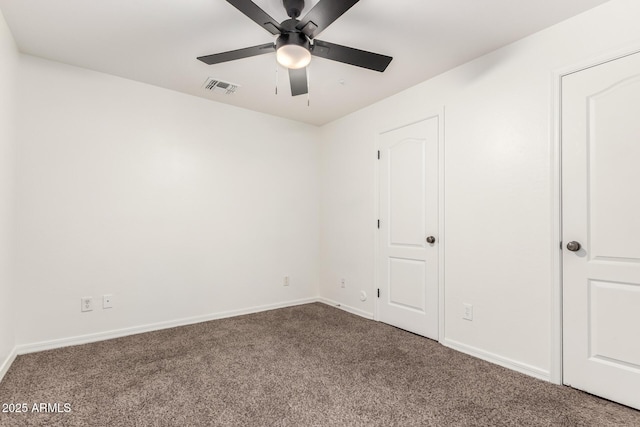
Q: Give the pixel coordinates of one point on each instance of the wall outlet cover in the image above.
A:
(86, 304)
(468, 312)
(107, 301)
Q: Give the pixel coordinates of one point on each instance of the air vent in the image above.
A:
(219, 86)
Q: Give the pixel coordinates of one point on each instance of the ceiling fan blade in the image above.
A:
(322, 15)
(232, 55)
(298, 80)
(258, 15)
(349, 55)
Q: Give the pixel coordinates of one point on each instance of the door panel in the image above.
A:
(612, 307)
(614, 150)
(406, 192)
(601, 210)
(408, 265)
(407, 283)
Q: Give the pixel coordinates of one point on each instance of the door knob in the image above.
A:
(431, 239)
(574, 246)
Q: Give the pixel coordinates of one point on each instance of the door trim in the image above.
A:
(441, 211)
(555, 150)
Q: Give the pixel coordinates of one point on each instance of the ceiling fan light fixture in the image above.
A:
(293, 56)
(293, 51)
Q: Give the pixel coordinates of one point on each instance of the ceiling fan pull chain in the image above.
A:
(308, 91)
(276, 78)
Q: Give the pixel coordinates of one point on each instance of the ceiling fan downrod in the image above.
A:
(293, 7)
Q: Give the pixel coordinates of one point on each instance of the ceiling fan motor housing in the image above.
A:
(293, 7)
(297, 39)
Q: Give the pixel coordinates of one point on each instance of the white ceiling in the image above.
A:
(157, 42)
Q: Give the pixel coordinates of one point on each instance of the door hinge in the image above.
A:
(378, 292)
(378, 224)
(378, 154)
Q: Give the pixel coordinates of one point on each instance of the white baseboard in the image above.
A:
(101, 336)
(6, 364)
(118, 333)
(341, 306)
(498, 360)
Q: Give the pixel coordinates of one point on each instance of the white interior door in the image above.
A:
(408, 263)
(601, 212)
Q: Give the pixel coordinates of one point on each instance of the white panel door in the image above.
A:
(601, 213)
(408, 263)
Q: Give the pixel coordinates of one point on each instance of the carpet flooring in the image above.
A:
(310, 365)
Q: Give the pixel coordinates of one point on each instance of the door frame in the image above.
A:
(441, 230)
(555, 150)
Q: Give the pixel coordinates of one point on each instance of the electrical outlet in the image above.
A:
(107, 301)
(343, 283)
(86, 304)
(468, 312)
(285, 281)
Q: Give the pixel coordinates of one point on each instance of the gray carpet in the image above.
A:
(310, 365)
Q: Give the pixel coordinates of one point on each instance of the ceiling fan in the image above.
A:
(296, 40)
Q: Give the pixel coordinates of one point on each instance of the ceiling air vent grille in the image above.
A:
(215, 85)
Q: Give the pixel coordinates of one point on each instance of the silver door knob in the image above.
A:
(431, 239)
(573, 246)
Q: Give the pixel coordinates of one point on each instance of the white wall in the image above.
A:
(498, 186)
(8, 67)
(178, 206)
